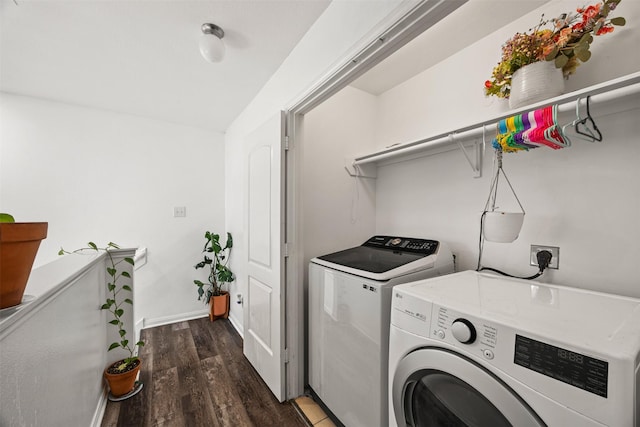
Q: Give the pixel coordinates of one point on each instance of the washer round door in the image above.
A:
(437, 387)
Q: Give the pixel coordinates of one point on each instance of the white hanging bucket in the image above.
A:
(502, 227)
(498, 226)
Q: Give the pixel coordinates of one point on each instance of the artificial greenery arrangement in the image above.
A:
(114, 306)
(219, 273)
(567, 44)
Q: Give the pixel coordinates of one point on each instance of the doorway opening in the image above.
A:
(400, 52)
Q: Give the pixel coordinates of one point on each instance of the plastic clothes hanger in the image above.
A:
(586, 122)
(572, 124)
(548, 132)
(508, 135)
(554, 133)
(501, 130)
(513, 126)
(503, 136)
(542, 134)
(522, 124)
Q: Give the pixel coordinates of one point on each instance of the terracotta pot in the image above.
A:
(19, 243)
(121, 384)
(219, 306)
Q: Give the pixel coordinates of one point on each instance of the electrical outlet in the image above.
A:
(179, 211)
(555, 255)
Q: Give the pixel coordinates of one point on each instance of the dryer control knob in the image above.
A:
(463, 331)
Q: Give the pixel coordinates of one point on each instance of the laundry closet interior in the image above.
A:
(583, 198)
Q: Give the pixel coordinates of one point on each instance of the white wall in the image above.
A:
(343, 29)
(338, 211)
(583, 199)
(102, 176)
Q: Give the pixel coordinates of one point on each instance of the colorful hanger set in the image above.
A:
(529, 130)
(540, 128)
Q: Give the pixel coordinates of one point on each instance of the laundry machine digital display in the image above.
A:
(564, 365)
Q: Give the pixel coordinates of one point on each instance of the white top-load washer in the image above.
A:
(474, 349)
(349, 307)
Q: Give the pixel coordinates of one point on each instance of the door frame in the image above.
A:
(407, 22)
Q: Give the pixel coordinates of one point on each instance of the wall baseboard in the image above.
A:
(183, 317)
(237, 325)
(98, 415)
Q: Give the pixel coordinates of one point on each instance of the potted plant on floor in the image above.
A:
(19, 243)
(122, 374)
(211, 291)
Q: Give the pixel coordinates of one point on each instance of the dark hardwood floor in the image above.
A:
(195, 374)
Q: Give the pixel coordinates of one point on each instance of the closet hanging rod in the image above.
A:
(603, 93)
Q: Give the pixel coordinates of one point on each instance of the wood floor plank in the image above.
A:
(166, 406)
(197, 406)
(203, 340)
(179, 325)
(186, 354)
(111, 414)
(227, 405)
(163, 348)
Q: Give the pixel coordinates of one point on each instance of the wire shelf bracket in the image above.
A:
(367, 171)
(476, 158)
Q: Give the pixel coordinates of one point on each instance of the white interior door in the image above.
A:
(264, 302)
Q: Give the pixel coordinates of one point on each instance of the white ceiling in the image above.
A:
(141, 56)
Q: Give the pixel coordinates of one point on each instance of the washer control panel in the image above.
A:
(405, 244)
(454, 328)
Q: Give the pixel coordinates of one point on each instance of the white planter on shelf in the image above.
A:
(535, 82)
(502, 227)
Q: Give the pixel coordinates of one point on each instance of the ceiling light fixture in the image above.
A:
(211, 44)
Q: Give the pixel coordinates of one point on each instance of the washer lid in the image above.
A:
(381, 254)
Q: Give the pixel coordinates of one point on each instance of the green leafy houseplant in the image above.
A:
(5, 217)
(567, 44)
(118, 282)
(219, 273)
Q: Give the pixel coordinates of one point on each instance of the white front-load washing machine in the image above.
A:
(475, 349)
(349, 307)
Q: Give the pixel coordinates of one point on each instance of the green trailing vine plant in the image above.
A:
(113, 306)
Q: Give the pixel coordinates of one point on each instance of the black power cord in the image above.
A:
(544, 259)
